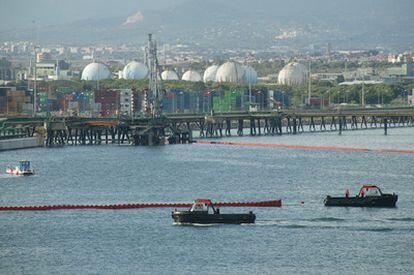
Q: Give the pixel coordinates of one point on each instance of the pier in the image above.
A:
(182, 128)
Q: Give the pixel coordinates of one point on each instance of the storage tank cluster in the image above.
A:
(227, 72)
(230, 72)
(99, 71)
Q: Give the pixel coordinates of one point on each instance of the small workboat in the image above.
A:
(203, 212)
(368, 196)
(24, 169)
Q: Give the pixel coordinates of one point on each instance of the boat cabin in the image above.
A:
(203, 205)
(24, 165)
(369, 191)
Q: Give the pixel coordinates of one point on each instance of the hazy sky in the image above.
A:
(361, 20)
(22, 13)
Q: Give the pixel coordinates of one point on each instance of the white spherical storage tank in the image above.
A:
(95, 71)
(293, 73)
(250, 75)
(210, 73)
(169, 75)
(230, 72)
(192, 76)
(135, 70)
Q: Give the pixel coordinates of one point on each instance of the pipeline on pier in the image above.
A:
(271, 203)
(307, 147)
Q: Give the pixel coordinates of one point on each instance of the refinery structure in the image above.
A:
(230, 71)
(99, 85)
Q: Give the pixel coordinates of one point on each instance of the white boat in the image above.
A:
(24, 169)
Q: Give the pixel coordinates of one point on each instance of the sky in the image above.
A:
(55, 12)
(373, 21)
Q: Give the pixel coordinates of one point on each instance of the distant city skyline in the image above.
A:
(212, 23)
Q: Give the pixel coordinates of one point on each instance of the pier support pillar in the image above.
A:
(294, 126)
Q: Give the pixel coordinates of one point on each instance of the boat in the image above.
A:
(203, 212)
(368, 196)
(24, 169)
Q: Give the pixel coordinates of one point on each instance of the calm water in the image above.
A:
(296, 238)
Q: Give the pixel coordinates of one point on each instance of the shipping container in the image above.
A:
(109, 100)
(3, 104)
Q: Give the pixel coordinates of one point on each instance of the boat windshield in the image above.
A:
(24, 165)
(370, 191)
(199, 206)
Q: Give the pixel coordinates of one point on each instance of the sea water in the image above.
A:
(303, 236)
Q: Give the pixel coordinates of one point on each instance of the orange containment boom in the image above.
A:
(306, 147)
(272, 203)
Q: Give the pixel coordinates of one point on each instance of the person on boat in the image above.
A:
(347, 193)
(362, 193)
(217, 210)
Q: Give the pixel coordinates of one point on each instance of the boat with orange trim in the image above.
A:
(368, 196)
(203, 212)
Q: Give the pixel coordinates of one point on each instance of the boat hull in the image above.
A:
(187, 217)
(16, 172)
(385, 200)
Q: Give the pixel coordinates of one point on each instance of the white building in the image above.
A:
(126, 102)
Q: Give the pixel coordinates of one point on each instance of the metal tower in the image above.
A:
(155, 84)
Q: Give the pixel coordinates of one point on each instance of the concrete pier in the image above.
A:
(178, 128)
(21, 143)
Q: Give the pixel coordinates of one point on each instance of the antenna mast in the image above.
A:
(155, 84)
(309, 84)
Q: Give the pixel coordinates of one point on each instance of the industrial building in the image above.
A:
(403, 73)
(7, 72)
(15, 102)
